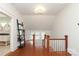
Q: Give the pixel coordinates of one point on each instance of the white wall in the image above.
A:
(4, 19)
(29, 31)
(14, 14)
(66, 24)
(38, 23)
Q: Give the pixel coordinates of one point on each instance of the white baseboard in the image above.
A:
(13, 49)
(73, 52)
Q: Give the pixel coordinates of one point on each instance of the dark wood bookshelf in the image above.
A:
(21, 34)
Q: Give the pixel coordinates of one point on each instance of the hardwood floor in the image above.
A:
(29, 50)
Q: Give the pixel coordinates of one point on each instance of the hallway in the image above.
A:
(29, 50)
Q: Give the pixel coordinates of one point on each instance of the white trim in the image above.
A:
(13, 49)
(6, 53)
(73, 52)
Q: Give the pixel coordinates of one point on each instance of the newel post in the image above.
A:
(44, 41)
(66, 42)
(48, 37)
(33, 40)
(44, 36)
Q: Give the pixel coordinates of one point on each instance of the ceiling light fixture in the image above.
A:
(39, 10)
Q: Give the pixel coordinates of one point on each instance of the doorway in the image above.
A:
(5, 23)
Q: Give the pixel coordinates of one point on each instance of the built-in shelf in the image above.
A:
(4, 34)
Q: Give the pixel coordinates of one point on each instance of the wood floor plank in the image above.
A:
(29, 50)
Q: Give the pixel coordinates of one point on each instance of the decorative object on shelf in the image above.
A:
(7, 27)
(3, 24)
(4, 27)
(1, 28)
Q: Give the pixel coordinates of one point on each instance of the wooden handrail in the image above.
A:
(57, 39)
(47, 39)
(33, 40)
(65, 40)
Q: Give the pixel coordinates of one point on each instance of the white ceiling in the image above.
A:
(28, 8)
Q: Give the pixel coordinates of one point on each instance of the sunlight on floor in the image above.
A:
(4, 50)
